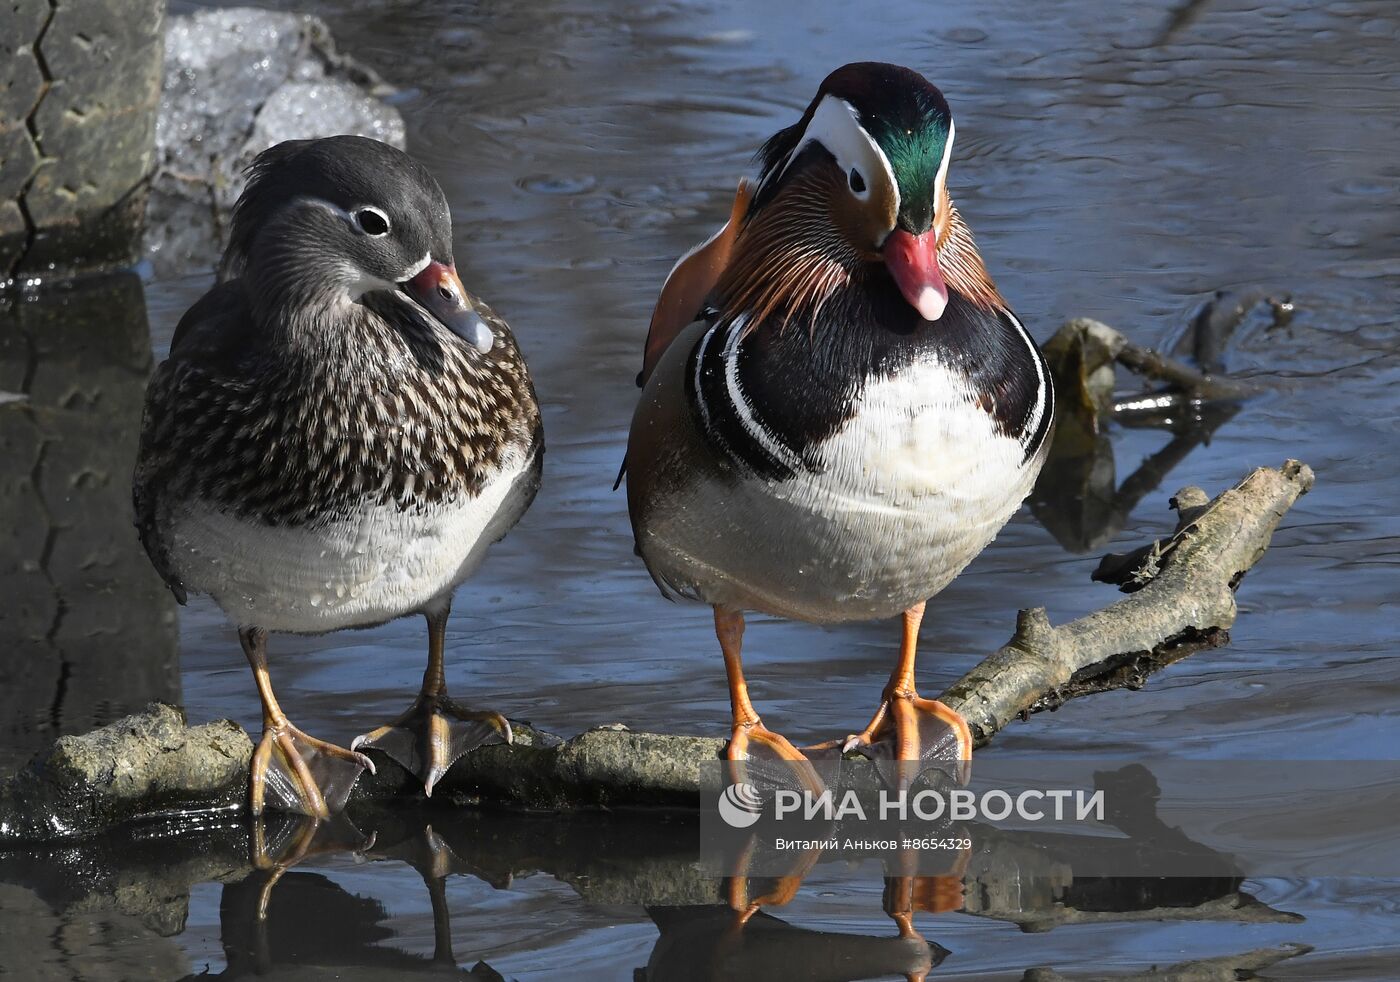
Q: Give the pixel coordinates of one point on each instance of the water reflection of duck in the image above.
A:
(315, 929)
(840, 410)
(338, 434)
(704, 943)
(615, 861)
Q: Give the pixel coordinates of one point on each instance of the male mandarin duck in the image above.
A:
(839, 410)
(339, 433)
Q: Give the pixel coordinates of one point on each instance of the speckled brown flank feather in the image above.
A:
(297, 440)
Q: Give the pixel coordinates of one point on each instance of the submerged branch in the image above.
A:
(1181, 600)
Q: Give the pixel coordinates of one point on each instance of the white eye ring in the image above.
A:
(371, 221)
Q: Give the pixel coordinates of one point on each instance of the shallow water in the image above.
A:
(1115, 162)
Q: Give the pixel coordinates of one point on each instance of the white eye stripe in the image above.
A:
(835, 124)
(334, 209)
(351, 215)
(941, 180)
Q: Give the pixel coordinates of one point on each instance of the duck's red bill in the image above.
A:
(441, 293)
(913, 262)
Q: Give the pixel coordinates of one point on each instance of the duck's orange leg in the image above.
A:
(292, 771)
(429, 736)
(910, 727)
(738, 889)
(747, 729)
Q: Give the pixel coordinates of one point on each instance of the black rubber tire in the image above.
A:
(79, 91)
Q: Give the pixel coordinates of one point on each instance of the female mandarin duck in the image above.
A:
(840, 411)
(339, 433)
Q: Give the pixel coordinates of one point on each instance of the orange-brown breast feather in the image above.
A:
(691, 281)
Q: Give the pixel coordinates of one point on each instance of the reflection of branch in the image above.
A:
(1226, 968)
(1237, 908)
(1081, 521)
(1075, 497)
(628, 858)
(1152, 471)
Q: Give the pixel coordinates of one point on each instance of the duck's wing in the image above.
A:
(687, 285)
(211, 341)
(690, 282)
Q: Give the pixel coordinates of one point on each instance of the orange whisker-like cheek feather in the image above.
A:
(789, 260)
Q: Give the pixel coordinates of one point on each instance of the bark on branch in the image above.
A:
(1183, 599)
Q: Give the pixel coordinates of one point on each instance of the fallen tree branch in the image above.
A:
(1184, 598)
(1100, 345)
(1182, 601)
(1155, 365)
(1078, 497)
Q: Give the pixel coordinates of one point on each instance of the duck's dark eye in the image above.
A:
(857, 182)
(372, 221)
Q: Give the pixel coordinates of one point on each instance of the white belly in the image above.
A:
(380, 564)
(910, 491)
(920, 456)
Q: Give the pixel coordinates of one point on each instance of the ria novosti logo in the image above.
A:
(740, 805)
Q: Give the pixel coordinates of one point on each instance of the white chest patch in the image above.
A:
(379, 564)
(918, 436)
(904, 495)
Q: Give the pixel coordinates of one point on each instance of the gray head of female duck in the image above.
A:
(323, 224)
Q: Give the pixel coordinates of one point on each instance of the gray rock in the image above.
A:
(138, 766)
(238, 81)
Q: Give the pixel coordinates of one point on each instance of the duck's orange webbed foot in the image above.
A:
(753, 743)
(432, 733)
(292, 771)
(428, 737)
(908, 727)
(295, 772)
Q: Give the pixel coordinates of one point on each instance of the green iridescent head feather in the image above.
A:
(915, 150)
(905, 115)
